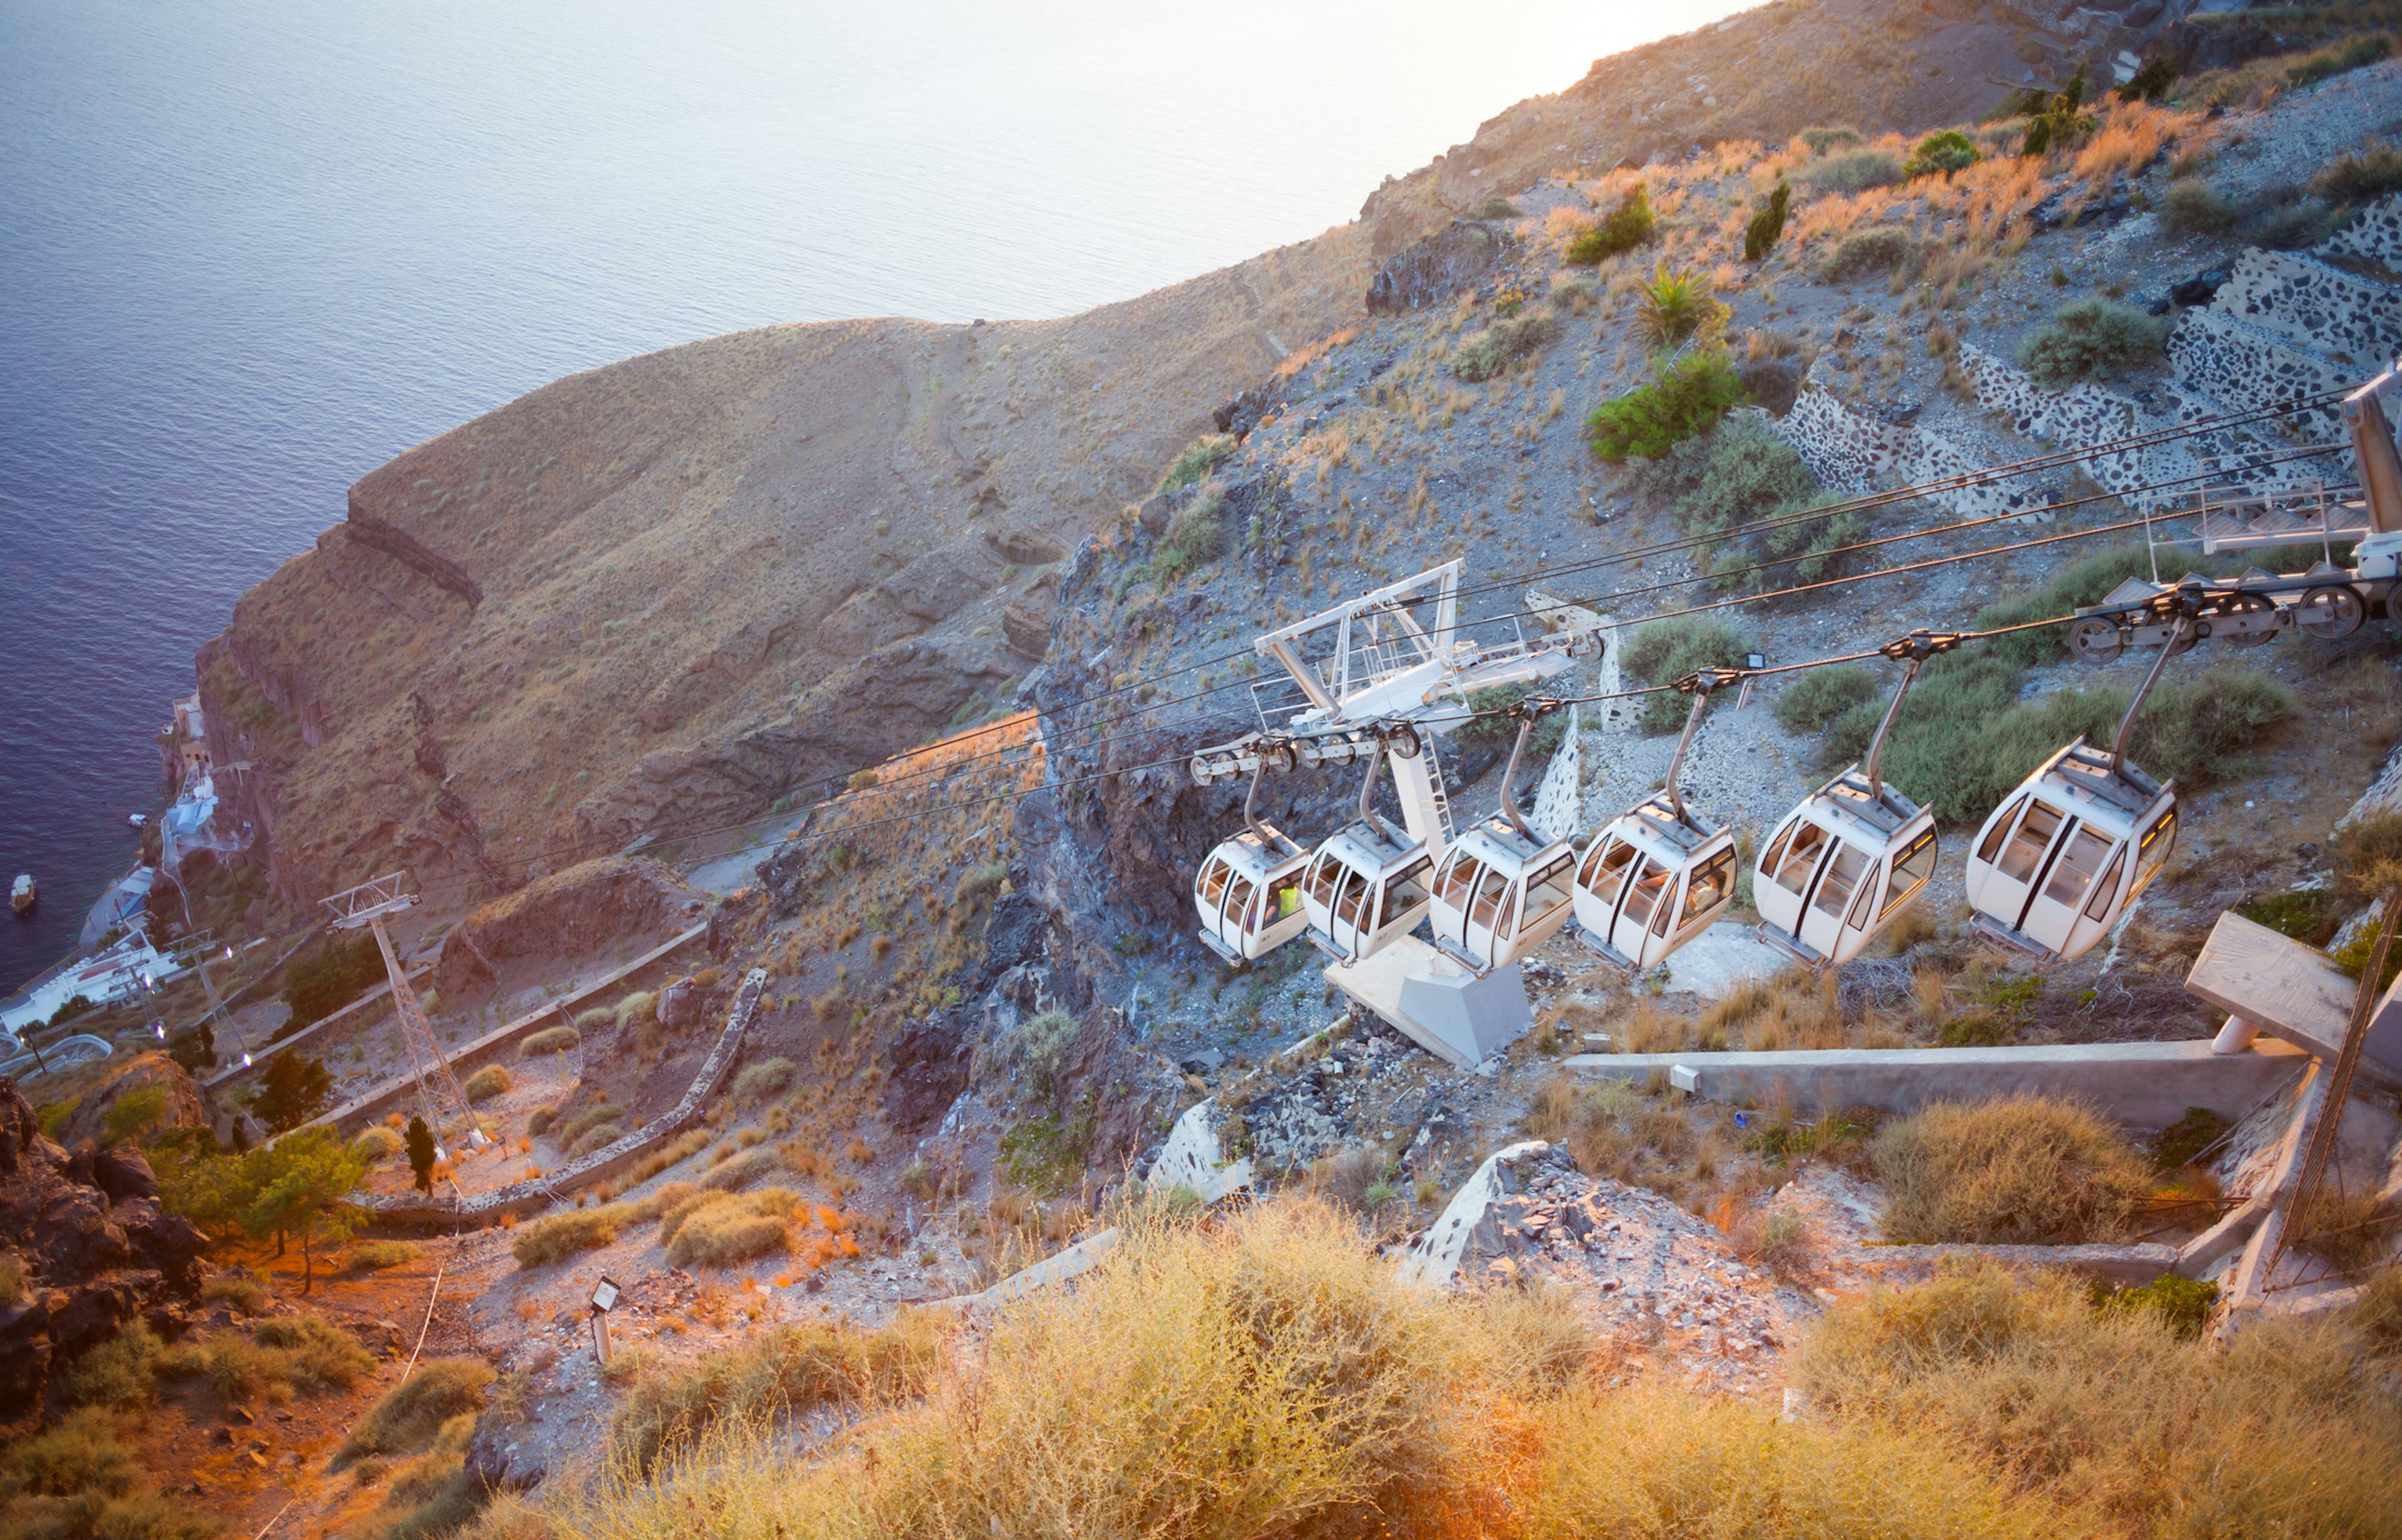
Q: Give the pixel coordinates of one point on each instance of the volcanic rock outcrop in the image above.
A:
(93, 1247)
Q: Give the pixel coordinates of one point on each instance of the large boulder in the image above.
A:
(572, 913)
(182, 1103)
(93, 1245)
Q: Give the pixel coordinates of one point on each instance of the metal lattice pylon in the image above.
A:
(438, 1093)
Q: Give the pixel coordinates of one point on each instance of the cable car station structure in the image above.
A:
(1385, 676)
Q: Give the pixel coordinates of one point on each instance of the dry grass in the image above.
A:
(787, 1370)
(715, 1228)
(410, 1413)
(1269, 1377)
(558, 1236)
(2018, 1170)
(2288, 1431)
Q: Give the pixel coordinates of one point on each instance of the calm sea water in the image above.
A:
(248, 253)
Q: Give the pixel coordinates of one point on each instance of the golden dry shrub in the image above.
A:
(1655, 1461)
(714, 1227)
(2288, 1430)
(2014, 1171)
(561, 1235)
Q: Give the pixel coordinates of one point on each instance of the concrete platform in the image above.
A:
(2144, 1085)
(1438, 1004)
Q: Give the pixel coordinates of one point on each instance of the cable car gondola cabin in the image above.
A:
(1847, 860)
(1366, 888)
(1248, 895)
(1500, 893)
(2065, 854)
(1651, 881)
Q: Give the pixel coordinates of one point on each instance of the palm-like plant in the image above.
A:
(1677, 306)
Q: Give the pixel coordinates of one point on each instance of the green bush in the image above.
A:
(2368, 856)
(718, 1229)
(319, 1353)
(2082, 581)
(757, 1083)
(1662, 652)
(2290, 224)
(636, 1007)
(245, 1294)
(411, 1413)
(542, 1121)
(2149, 83)
(376, 1255)
(744, 1169)
(1741, 473)
(2088, 339)
(1964, 740)
(1497, 731)
(1819, 141)
(2186, 1140)
(593, 1018)
(1820, 695)
(555, 1039)
(1200, 458)
(118, 1374)
(1624, 228)
(557, 1236)
(591, 1117)
(1854, 171)
(2016, 1170)
(1498, 208)
(488, 1082)
(1767, 227)
(1946, 152)
(81, 1453)
(1686, 396)
(2194, 207)
(2329, 62)
(1197, 537)
(2309, 918)
(134, 1114)
(1488, 352)
(2360, 177)
(436, 1495)
(1876, 250)
(597, 1137)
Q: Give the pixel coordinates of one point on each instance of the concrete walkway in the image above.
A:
(2144, 1085)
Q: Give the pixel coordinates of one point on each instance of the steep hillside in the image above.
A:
(684, 588)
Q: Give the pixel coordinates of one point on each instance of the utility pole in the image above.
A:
(437, 1089)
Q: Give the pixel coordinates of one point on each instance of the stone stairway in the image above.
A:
(2284, 324)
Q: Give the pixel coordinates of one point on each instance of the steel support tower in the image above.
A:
(445, 1105)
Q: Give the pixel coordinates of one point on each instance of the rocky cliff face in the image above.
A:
(681, 589)
(95, 1249)
(678, 588)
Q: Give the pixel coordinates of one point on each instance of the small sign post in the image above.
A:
(604, 1299)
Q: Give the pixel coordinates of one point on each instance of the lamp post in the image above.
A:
(604, 1299)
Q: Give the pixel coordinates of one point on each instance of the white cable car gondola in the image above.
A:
(1367, 883)
(1249, 891)
(1502, 888)
(1855, 851)
(2064, 855)
(1655, 877)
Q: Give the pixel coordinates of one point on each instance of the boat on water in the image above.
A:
(20, 895)
(139, 821)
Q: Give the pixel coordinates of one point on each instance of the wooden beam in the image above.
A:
(2283, 988)
(2247, 1281)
